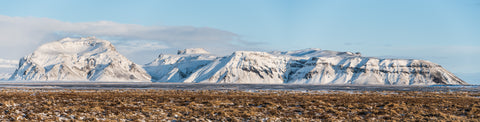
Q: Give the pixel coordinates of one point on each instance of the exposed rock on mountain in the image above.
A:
(310, 66)
(78, 59)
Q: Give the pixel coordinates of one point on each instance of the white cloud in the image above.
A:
(19, 36)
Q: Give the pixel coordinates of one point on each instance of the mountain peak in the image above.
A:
(190, 51)
(315, 52)
(73, 47)
(78, 59)
(78, 39)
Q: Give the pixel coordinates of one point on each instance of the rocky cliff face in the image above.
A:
(368, 71)
(83, 59)
(310, 66)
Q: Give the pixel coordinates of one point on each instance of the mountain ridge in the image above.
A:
(92, 59)
(78, 59)
(310, 66)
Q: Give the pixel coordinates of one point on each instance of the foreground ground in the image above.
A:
(228, 105)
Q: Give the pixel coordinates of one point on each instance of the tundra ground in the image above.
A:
(231, 105)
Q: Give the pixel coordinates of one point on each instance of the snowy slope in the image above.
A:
(368, 71)
(176, 68)
(78, 59)
(242, 67)
(309, 66)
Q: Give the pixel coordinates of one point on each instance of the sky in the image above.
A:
(446, 32)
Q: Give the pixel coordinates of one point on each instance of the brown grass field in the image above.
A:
(221, 105)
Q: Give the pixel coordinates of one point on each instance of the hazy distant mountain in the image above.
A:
(6, 68)
(78, 59)
(309, 66)
(5, 63)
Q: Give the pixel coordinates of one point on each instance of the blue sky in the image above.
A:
(446, 32)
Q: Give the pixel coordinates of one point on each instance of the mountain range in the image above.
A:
(92, 59)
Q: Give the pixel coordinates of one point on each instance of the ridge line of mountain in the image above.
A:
(92, 59)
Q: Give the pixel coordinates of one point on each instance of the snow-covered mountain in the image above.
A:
(175, 68)
(314, 52)
(78, 59)
(309, 66)
(192, 51)
(92, 59)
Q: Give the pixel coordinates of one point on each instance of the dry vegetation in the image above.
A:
(185, 105)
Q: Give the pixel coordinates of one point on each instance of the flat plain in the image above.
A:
(235, 102)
